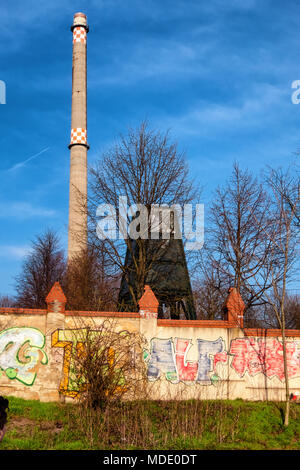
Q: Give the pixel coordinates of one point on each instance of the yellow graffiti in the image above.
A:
(73, 344)
(57, 342)
(111, 365)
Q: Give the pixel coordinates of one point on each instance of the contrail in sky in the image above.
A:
(21, 164)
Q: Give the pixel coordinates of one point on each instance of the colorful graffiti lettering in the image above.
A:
(162, 360)
(187, 370)
(208, 350)
(69, 340)
(21, 353)
(264, 355)
(73, 343)
(169, 358)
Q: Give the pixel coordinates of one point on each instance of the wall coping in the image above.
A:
(85, 313)
(197, 323)
(269, 332)
(23, 311)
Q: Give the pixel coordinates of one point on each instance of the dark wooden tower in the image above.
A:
(167, 276)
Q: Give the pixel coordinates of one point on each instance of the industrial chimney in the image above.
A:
(77, 236)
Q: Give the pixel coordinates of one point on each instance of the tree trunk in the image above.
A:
(286, 376)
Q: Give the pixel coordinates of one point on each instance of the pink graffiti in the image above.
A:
(187, 370)
(239, 349)
(220, 357)
(264, 356)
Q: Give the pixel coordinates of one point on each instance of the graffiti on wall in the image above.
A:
(168, 358)
(22, 354)
(72, 341)
(264, 356)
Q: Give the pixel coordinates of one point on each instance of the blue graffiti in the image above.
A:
(207, 351)
(162, 360)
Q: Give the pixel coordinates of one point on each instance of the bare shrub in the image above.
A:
(108, 364)
(108, 368)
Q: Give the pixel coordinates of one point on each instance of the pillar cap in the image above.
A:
(234, 306)
(56, 294)
(148, 301)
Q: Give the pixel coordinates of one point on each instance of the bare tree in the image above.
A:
(41, 269)
(235, 241)
(288, 183)
(292, 313)
(7, 301)
(210, 287)
(89, 283)
(147, 169)
(283, 233)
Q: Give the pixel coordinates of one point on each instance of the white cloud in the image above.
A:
(263, 104)
(14, 251)
(233, 4)
(24, 210)
(155, 58)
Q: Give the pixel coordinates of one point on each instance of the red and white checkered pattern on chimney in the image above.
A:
(78, 136)
(79, 34)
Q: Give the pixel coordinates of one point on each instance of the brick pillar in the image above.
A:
(56, 302)
(148, 305)
(234, 308)
(56, 299)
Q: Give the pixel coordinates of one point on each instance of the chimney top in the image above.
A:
(80, 14)
(80, 20)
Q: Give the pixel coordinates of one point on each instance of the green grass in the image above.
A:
(168, 425)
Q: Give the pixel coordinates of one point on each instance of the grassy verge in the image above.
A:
(152, 425)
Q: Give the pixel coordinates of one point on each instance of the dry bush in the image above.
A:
(126, 415)
(107, 364)
(107, 368)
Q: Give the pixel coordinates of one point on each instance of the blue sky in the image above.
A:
(217, 73)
